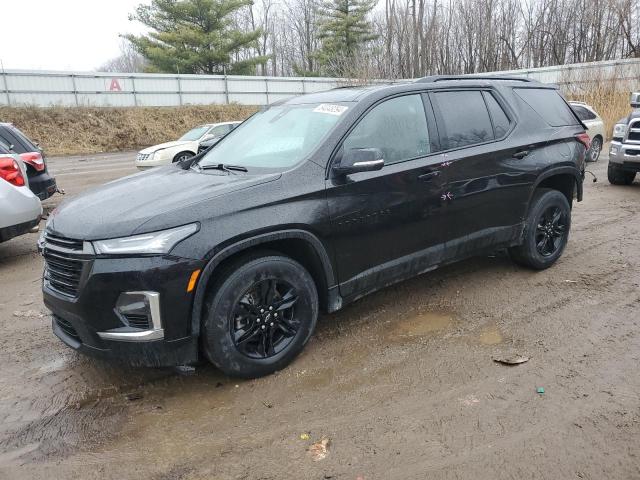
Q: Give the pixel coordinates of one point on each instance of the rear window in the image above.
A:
(549, 105)
(583, 113)
(12, 136)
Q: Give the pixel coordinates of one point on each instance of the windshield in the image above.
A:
(277, 137)
(195, 133)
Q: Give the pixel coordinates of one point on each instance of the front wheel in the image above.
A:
(617, 176)
(259, 315)
(182, 156)
(546, 230)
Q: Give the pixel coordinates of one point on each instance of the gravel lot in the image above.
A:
(401, 383)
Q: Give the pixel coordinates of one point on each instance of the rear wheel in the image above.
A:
(617, 176)
(259, 316)
(546, 230)
(182, 156)
(594, 150)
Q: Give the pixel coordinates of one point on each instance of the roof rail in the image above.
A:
(444, 78)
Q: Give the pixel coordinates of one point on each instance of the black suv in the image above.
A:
(311, 203)
(41, 183)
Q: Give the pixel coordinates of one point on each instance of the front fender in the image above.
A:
(245, 244)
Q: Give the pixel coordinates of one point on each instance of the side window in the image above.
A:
(498, 117)
(462, 118)
(398, 127)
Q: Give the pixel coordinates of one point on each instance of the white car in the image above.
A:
(595, 128)
(183, 148)
(20, 209)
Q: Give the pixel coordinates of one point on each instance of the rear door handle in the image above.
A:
(427, 177)
(521, 154)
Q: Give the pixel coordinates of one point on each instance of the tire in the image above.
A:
(182, 156)
(619, 177)
(593, 154)
(241, 335)
(546, 230)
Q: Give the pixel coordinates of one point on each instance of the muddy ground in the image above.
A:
(401, 383)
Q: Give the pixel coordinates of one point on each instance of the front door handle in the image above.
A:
(427, 177)
(521, 154)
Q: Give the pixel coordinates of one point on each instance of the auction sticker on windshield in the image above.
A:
(330, 109)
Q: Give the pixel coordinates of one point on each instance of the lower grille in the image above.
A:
(67, 328)
(137, 320)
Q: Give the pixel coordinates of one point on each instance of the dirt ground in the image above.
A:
(401, 383)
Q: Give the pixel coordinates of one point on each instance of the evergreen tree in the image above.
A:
(343, 29)
(194, 36)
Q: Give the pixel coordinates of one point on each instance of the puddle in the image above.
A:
(491, 335)
(423, 324)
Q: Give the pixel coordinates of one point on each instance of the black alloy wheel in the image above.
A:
(546, 230)
(260, 312)
(264, 321)
(550, 231)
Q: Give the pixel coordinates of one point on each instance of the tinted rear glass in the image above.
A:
(549, 105)
(7, 136)
(583, 113)
(463, 118)
(4, 148)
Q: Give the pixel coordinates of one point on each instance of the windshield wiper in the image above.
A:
(224, 167)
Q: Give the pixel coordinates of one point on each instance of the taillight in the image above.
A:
(10, 171)
(34, 159)
(584, 139)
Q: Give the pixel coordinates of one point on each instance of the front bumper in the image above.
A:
(146, 162)
(625, 156)
(90, 323)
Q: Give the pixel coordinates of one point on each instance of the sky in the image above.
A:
(75, 35)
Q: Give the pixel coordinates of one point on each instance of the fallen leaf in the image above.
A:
(511, 360)
(319, 450)
(304, 436)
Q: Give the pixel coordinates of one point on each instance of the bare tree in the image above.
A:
(129, 60)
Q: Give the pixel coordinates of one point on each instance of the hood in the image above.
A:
(155, 148)
(166, 195)
(635, 114)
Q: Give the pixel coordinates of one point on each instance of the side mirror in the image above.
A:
(360, 160)
(208, 136)
(635, 100)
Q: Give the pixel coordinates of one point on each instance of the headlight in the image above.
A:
(147, 243)
(619, 130)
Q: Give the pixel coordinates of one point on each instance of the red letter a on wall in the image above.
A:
(115, 85)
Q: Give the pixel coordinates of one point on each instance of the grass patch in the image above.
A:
(78, 130)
